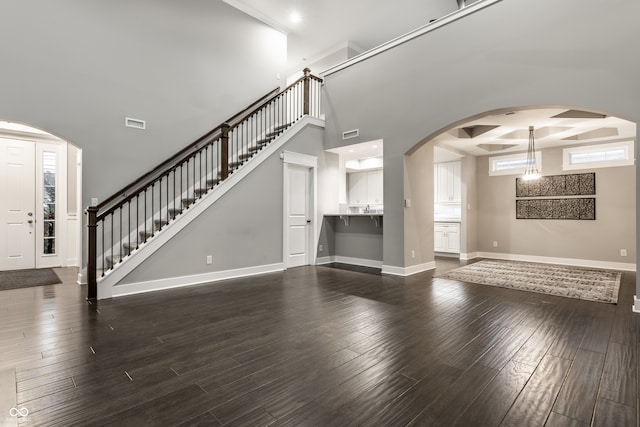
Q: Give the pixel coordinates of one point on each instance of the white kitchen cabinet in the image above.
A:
(446, 237)
(447, 182)
(366, 188)
(374, 187)
(358, 188)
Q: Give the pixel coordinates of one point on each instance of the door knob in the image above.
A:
(30, 214)
(308, 221)
(30, 221)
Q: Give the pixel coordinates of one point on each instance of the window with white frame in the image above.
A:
(598, 156)
(511, 164)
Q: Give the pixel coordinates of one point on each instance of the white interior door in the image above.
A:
(17, 201)
(298, 216)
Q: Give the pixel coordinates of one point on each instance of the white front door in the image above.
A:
(17, 201)
(298, 218)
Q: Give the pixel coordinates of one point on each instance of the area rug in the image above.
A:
(572, 282)
(16, 279)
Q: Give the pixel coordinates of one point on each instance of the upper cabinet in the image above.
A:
(365, 188)
(447, 182)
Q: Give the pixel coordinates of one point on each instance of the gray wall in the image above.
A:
(469, 224)
(242, 229)
(418, 218)
(516, 53)
(602, 239)
(77, 68)
(361, 239)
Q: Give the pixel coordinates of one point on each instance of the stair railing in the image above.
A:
(126, 220)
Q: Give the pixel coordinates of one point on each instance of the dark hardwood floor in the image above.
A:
(320, 346)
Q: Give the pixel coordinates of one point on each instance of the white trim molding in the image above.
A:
(363, 262)
(408, 271)
(467, 257)
(560, 261)
(310, 162)
(636, 305)
(453, 16)
(196, 279)
(299, 159)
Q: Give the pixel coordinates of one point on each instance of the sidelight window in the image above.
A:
(49, 201)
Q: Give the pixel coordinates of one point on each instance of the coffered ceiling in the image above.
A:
(508, 131)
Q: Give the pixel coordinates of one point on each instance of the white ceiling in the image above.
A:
(327, 25)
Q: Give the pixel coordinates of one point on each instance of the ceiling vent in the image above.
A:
(351, 134)
(135, 123)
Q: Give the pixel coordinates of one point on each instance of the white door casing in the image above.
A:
(17, 216)
(299, 216)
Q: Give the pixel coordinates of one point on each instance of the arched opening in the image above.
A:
(483, 202)
(40, 190)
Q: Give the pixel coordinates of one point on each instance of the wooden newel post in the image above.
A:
(224, 152)
(92, 225)
(307, 90)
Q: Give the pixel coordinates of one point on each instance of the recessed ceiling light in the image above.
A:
(374, 146)
(295, 17)
(351, 151)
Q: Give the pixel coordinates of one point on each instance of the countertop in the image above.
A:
(446, 220)
(353, 214)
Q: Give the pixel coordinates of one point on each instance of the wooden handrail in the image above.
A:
(128, 192)
(221, 150)
(178, 158)
(306, 76)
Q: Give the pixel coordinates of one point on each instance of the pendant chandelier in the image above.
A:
(531, 172)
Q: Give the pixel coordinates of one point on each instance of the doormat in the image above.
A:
(572, 282)
(16, 279)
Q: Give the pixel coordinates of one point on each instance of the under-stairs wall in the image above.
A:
(242, 231)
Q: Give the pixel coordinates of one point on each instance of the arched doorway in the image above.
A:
(40, 218)
(489, 224)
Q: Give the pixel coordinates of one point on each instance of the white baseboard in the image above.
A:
(82, 276)
(408, 271)
(561, 261)
(636, 304)
(467, 257)
(324, 260)
(363, 262)
(196, 279)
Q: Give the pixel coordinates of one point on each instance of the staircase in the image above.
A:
(128, 221)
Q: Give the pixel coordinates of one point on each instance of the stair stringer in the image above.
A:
(146, 250)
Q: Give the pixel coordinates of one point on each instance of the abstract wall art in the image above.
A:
(580, 184)
(570, 208)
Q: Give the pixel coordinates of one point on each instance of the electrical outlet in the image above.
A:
(209, 259)
(623, 252)
(495, 243)
(321, 248)
(413, 254)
